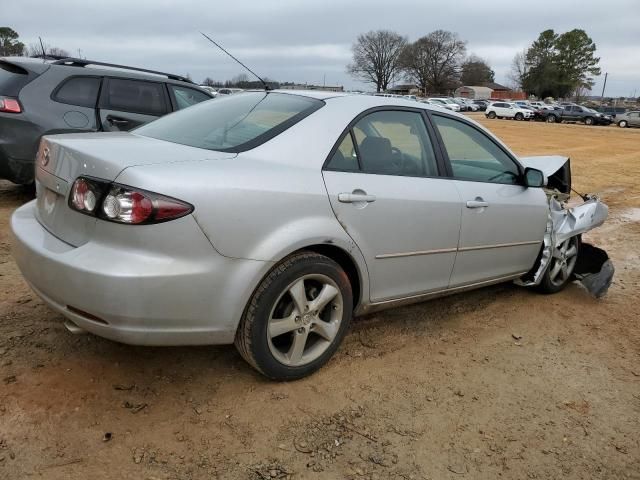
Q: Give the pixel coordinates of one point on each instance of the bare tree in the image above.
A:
(476, 71)
(433, 61)
(376, 58)
(35, 50)
(519, 70)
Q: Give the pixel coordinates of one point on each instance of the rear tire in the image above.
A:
(491, 115)
(296, 318)
(561, 266)
(623, 124)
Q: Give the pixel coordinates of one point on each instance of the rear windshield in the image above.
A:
(234, 123)
(12, 79)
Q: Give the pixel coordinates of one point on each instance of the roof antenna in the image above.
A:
(44, 54)
(264, 84)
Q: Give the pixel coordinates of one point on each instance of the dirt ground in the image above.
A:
(497, 383)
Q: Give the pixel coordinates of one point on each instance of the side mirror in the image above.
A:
(534, 178)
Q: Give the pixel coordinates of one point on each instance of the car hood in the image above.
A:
(548, 164)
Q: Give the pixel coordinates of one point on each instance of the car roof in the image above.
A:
(39, 66)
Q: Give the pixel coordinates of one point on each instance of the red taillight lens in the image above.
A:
(10, 105)
(123, 204)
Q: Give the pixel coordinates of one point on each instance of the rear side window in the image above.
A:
(185, 96)
(12, 79)
(81, 91)
(234, 123)
(136, 96)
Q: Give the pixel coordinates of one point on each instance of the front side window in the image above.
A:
(136, 96)
(395, 143)
(234, 123)
(473, 155)
(81, 91)
(185, 96)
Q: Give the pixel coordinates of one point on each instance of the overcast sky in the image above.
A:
(309, 41)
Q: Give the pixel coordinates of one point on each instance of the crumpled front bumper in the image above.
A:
(593, 267)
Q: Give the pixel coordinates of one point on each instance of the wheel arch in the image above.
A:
(346, 262)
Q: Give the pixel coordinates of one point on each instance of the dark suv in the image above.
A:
(64, 95)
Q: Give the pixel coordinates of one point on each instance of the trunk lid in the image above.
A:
(63, 158)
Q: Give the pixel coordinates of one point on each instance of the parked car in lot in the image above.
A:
(482, 104)
(629, 119)
(449, 105)
(229, 91)
(211, 90)
(508, 110)
(208, 226)
(576, 113)
(77, 95)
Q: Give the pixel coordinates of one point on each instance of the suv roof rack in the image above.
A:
(81, 62)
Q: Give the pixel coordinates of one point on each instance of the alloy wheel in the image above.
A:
(563, 261)
(305, 320)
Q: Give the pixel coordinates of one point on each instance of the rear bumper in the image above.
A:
(178, 291)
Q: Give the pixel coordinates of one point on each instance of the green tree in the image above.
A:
(560, 65)
(9, 44)
(433, 62)
(576, 60)
(476, 71)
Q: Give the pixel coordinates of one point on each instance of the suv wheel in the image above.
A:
(296, 318)
(491, 115)
(519, 116)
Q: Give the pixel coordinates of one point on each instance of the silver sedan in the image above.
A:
(269, 219)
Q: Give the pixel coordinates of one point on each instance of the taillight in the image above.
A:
(124, 204)
(10, 105)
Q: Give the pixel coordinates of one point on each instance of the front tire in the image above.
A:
(561, 266)
(588, 121)
(623, 124)
(519, 116)
(297, 317)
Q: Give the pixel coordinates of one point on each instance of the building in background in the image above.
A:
(474, 92)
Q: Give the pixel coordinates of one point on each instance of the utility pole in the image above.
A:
(603, 87)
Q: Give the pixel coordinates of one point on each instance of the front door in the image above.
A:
(384, 186)
(503, 222)
(126, 104)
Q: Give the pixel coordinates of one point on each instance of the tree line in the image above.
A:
(556, 65)
(436, 63)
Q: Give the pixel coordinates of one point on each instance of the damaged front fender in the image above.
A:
(593, 266)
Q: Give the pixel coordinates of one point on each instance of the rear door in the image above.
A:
(634, 118)
(503, 222)
(384, 184)
(127, 103)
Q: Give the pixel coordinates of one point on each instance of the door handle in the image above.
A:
(479, 203)
(117, 121)
(355, 198)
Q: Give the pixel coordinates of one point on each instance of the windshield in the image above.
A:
(232, 124)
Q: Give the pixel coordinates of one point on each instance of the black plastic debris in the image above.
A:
(594, 269)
